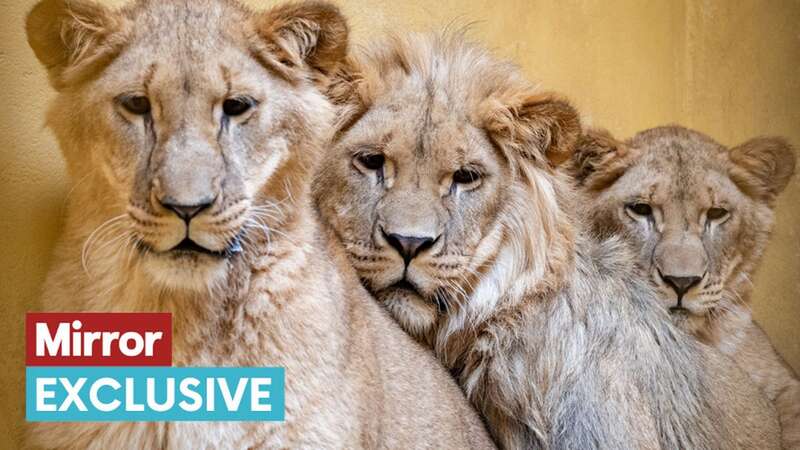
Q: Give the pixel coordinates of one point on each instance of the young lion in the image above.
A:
(701, 216)
(192, 127)
(441, 186)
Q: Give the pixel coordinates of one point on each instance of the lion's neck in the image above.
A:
(519, 279)
(725, 327)
(258, 285)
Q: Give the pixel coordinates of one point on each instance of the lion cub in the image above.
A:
(191, 128)
(441, 185)
(701, 216)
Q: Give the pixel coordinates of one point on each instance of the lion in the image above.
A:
(700, 215)
(441, 183)
(192, 128)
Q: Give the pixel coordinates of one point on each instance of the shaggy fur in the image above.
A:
(269, 289)
(684, 177)
(441, 185)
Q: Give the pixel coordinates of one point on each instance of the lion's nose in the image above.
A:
(409, 246)
(186, 212)
(681, 285)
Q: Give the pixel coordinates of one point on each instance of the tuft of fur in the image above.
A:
(545, 327)
(681, 174)
(277, 291)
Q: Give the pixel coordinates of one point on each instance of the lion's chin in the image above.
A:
(691, 322)
(415, 314)
(186, 270)
(689, 308)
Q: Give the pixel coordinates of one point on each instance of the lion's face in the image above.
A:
(699, 214)
(418, 185)
(195, 122)
(190, 139)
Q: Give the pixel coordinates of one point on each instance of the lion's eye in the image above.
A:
(640, 209)
(466, 176)
(138, 105)
(716, 213)
(236, 106)
(371, 161)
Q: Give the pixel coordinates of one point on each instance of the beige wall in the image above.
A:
(727, 68)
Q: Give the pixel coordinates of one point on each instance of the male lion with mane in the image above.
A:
(191, 128)
(701, 216)
(441, 185)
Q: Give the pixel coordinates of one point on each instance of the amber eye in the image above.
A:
(466, 176)
(371, 161)
(716, 213)
(138, 105)
(236, 106)
(640, 209)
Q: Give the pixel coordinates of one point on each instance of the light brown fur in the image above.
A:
(271, 290)
(442, 187)
(681, 175)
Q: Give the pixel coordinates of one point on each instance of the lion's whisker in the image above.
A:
(94, 235)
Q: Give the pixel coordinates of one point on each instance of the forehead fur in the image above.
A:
(760, 168)
(175, 23)
(448, 66)
(76, 39)
(679, 153)
(678, 167)
(671, 142)
(172, 16)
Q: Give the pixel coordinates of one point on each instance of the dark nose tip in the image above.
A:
(681, 284)
(186, 212)
(409, 246)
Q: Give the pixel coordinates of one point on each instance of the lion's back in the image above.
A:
(408, 396)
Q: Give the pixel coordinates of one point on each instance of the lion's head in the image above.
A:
(699, 213)
(186, 124)
(439, 152)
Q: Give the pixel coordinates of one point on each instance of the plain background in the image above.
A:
(726, 68)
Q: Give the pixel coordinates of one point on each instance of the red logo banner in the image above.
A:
(98, 339)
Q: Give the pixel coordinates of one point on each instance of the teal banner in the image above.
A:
(154, 394)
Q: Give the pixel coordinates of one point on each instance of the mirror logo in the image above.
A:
(104, 367)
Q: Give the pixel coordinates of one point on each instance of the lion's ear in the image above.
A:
(534, 124)
(763, 166)
(345, 92)
(599, 159)
(313, 34)
(73, 39)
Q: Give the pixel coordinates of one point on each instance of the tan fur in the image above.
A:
(546, 329)
(681, 174)
(286, 298)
